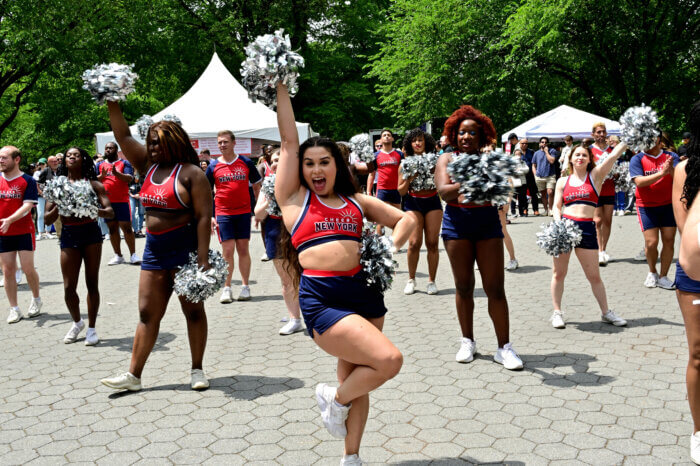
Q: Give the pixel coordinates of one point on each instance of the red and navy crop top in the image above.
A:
(585, 194)
(319, 223)
(162, 196)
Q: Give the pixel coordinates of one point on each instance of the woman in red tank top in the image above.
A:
(343, 314)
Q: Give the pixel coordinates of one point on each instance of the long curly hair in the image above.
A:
(692, 168)
(487, 132)
(173, 141)
(414, 134)
(87, 170)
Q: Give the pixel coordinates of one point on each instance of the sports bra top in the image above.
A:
(162, 196)
(585, 194)
(319, 223)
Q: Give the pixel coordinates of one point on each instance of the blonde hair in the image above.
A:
(598, 124)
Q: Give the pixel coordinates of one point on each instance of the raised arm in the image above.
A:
(287, 182)
(134, 151)
(601, 171)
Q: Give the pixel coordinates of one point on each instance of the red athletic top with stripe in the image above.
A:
(14, 193)
(268, 169)
(117, 190)
(585, 194)
(164, 195)
(608, 188)
(319, 223)
(388, 168)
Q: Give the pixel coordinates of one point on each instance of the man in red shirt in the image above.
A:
(18, 195)
(652, 172)
(232, 175)
(606, 199)
(116, 175)
(387, 161)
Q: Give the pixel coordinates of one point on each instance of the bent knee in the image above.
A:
(694, 359)
(390, 365)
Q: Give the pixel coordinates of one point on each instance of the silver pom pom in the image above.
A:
(76, 199)
(270, 60)
(623, 182)
(111, 82)
(197, 285)
(268, 189)
(559, 237)
(422, 168)
(377, 259)
(484, 177)
(172, 118)
(361, 147)
(639, 128)
(143, 124)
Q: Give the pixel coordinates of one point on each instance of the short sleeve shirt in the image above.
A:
(544, 168)
(117, 190)
(13, 194)
(231, 182)
(659, 193)
(388, 168)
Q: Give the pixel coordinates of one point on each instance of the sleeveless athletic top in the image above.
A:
(268, 169)
(162, 196)
(319, 223)
(585, 194)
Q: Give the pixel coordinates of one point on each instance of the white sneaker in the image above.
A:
(410, 287)
(18, 276)
(38, 237)
(244, 295)
(226, 295)
(607, 256)
(198, 380)
(293, 326)
(125, 381)
(557, 319)
(116, 260)
(264, 257)
(652, 280)
(91, 337)
(14, 316)
(74, 331)
(34, 307)
(695, 448)
(665, 283)
(393, 250)
(467, 350)
(641, 256)
(431, 288)
(332, 413)
(135, 259)
(611, 318)
(601, 258)
(508, 357)
(351, 460)
(512, 264)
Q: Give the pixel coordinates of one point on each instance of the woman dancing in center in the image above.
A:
(324, 214)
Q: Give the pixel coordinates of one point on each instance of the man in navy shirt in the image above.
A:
(545, 175)
(530, 177)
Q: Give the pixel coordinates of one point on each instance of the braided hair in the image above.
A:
(692, 168)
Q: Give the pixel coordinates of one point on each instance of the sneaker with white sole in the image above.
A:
(351, 460)
(226, 295)
(641, 256)
(18, 276)
(125, 381)
(608, 259)
(557, 319)
(508, 357)
(34, 308)
(665, 283)
(264, 258)
(512, 265)
(293, 326)
(467, 350)
(198, 380)
(333, 414)
(116, 260)
(135, 259)
(244, 295)
(601, 259)
(611, 318)
(695, 448)
(14, 316)
(652, 280)
(74, 331)
(410, 287)
(91, 338)
(431, 289)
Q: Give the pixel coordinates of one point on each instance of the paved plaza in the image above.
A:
(589, 394)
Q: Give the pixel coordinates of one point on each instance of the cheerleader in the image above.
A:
(324, 214)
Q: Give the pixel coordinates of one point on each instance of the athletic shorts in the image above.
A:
(327, 297)
(605, 200)
(122, 212)
(25, 242)
(684, 283)
(589, 237)
(80, 235)
(169, 250)
(233, 227)
(656, 217)
(391, 196)
(421, 204)
(472, 223)
(271, 234)
(548, 182)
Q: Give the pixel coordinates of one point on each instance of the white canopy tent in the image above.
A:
(217, 101)
(557, 123)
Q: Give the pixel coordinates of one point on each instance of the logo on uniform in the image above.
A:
(345, 222)
(156, 199)
(14, 192)
(237, 174)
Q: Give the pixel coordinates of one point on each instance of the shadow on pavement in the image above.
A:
(602, 327)
(529, 269)
(43, 319)
(456, 461)
(478, 292)
(579, 362)
(125, 343)
(269, 297)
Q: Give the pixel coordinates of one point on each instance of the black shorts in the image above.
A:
(25, 242)
(472, 223)
(80, 235)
